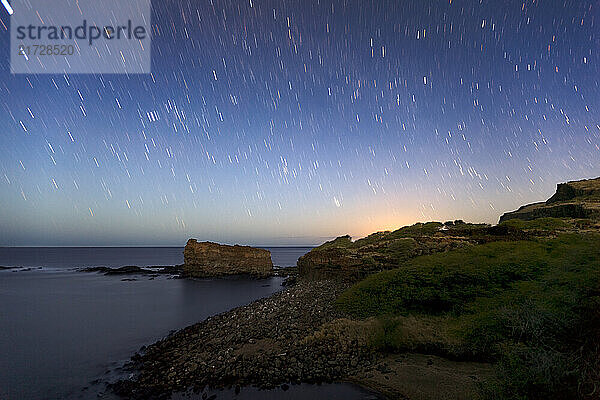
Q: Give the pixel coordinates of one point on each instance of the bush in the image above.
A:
(442, 282)
(532, 307)
(418, 229)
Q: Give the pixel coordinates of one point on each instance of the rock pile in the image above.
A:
(265, 343)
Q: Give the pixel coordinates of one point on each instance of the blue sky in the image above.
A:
(275, 123)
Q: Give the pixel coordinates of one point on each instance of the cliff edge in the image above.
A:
(347, 259)
(577, 199)
(207, 259)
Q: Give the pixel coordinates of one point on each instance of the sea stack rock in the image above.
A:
(578, 199)
(207, 259)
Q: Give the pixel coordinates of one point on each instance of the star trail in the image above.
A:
(290, 122)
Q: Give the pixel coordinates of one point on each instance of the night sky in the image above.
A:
(290, 122)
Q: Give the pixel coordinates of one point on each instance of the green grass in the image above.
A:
(551, 224)
(532, 307)
(342, 241)
(418, 229)
(442, 282)
(372, 239)
(544, 224)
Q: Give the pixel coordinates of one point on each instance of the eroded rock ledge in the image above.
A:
(577, 199)
(207, 259)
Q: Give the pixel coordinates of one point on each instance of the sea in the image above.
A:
(65, 332)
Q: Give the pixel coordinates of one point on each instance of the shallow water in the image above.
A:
(61, 329)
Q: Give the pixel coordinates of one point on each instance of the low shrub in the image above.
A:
(532, 307)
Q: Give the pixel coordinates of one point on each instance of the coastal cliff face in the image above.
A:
(206, 259)
(578, 199)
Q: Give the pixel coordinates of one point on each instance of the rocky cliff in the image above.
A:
(206, 259)
(578, 199)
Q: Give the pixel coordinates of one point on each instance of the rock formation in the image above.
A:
(578, 199)
(206, 259)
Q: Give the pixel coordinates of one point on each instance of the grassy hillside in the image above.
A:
(531, 307)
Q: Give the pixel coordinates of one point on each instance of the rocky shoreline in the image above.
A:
(294, 336)
(265, 343)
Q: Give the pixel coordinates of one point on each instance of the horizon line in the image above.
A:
(140, 246)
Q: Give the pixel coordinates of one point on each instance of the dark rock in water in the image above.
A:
(170, 269)
(206, 259)
(578, 199)
(285, 271)
(129, 269)
(133, 270)
(5, 268)
(96, 269)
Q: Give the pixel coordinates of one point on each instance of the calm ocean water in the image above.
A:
(76, 257)
(61, 330)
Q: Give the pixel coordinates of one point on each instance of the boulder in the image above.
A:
(207, 259)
